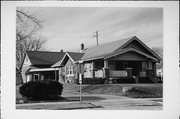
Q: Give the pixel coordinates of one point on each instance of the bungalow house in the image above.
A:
(127, 60)
(37, 65)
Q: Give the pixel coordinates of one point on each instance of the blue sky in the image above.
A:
(67, 27)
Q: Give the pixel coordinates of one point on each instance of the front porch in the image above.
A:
(121, 71)
(43, 74)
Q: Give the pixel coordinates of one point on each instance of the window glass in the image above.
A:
(144, 65)
(36, 77)
(112, 65)
(69, 70)
(150, 65)
(125, 65)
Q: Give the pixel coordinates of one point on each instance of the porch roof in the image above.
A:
(128, 50)
(43, 69)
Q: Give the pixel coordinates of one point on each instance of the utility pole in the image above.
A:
(96, 36)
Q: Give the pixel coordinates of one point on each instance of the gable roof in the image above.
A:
(43, 57)
(108, 48)
(150, 50)
(99, 51)
(128, 50)
(74, 56)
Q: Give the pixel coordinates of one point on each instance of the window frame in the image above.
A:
(144, 65)
(150, 65)
(112, 65)
(35, 77)
(70, 71)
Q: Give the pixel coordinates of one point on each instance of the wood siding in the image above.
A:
(138, 46)
(130, 56)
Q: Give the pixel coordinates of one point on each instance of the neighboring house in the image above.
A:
(68, 67)
(37, 65)
(127, 60)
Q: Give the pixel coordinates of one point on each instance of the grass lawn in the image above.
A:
(133, 90)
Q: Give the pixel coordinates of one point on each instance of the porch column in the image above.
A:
(106, 70)
(55, 75)
(154, 68)
(105, 63)
(93, 74)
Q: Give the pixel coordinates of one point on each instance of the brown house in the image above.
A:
(127, 60)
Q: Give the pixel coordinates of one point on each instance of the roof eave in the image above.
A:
(127, 50)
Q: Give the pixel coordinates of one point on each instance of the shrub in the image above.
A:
(38, 90)
(144, 92)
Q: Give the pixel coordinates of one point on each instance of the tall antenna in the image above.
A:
(96, 36)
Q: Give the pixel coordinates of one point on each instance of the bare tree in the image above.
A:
(26, 25)
(159, 51)
(27, 38)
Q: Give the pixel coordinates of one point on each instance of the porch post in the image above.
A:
(93, 74)
(154, 69)
(55, 75)
(105, 63)
(106, 70)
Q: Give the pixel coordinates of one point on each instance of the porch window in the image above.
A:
(144, 66)
(69, 70)
(125, 65)
(36, 77)
(150, 65)
(112, 65)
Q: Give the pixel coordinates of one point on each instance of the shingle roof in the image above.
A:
(44, 58)
(75, 55)
(101, 50)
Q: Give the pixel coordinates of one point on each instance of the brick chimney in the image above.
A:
(82, 47)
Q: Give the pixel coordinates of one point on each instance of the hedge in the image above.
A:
(38, 90)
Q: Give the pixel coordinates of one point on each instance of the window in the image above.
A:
(125, 65)
(150, 65)
(144, 65)
(69, 70)
(112, 65)
(36, 77)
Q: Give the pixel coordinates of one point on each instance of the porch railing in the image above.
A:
(117, 73)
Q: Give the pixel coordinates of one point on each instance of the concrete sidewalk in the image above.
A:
(56, 106)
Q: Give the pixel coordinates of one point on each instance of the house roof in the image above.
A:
(101, 50)
(128, 50)
(108, 48)
(74, 56)
(44, 58)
